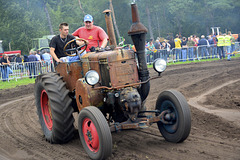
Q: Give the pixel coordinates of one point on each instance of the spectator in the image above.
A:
(19, 64)
(228, 43)
(1, 67)
(165, 49)
(157, 44)
(214, 49)
(233, 45)
(203, 43)
(32, 63)
(184, 49)
(150, 51)
(220, 45)
(178, 49)
(238, 39)
(195, 39)
(39, 63)
(210, 45)
(47, 59)
(26, 63)
(190, 45)
(6, 70)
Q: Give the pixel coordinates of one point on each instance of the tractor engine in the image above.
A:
(130, 101)
(118, 72)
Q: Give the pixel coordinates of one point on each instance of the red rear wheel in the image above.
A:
(46, 110)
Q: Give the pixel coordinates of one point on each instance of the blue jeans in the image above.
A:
(190, 54)
(221, 52)
(204, 52)
(214, 52)
(228, 52)
(178, 54)
(232, 48)
(32, 69)
(184, 55)
(5, 72)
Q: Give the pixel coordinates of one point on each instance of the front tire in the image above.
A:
(94, 133)
(180, 121)
(54, 108)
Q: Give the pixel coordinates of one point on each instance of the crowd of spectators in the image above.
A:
(31, 64)
(184, 48)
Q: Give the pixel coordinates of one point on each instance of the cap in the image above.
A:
(88, 17)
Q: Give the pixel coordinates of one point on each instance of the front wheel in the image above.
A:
(179, 117)
(94, 133)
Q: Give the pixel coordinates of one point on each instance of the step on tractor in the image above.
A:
(108, 89)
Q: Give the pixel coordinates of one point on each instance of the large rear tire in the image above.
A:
(180, 121)
(94, 132)
(54, 108)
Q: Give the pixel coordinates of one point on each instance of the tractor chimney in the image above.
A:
(138, 34)
(110, 29)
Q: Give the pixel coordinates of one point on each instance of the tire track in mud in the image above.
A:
(20, 128)
(231, 115)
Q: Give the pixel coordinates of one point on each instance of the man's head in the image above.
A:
(64, 29)
(88, 21)
(31, 52)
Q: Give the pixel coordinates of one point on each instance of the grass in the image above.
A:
(13, 83)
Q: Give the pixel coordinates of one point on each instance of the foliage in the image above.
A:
(26, 19)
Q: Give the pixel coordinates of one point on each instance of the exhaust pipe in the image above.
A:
(138, 34)
(110, 29)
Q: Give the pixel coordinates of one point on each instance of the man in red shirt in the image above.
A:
(95, 35)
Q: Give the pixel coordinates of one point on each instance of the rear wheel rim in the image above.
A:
(168, 105)
(90, 135)
(46, 110)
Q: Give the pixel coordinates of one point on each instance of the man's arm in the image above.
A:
(8, 62)
(104, 43)
(52, 52)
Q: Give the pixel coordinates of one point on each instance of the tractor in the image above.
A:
(41, 45)
(108, 89)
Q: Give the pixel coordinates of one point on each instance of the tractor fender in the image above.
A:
(86, 95)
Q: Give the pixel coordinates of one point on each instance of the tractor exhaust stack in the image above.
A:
(138, 34)
(110, 29)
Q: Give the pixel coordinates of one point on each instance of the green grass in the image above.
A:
(14, 83)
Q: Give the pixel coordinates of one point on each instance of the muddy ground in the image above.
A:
(211, 89)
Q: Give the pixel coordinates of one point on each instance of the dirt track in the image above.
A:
(209, 87)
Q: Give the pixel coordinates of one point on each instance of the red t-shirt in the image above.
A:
(92, 35)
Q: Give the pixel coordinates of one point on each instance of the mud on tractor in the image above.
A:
(108, 89)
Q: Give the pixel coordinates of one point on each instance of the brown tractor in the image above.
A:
(108, 89)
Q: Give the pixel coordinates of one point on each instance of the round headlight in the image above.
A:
(159, 65)
(92, 77)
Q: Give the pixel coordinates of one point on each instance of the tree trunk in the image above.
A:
(48, 18)
(114, 20)
(80, 6)
(159, 35)
(149, 23)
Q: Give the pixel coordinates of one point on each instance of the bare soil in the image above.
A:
(213, 93)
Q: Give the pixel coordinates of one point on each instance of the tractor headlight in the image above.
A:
(92, 77)
(159, 65)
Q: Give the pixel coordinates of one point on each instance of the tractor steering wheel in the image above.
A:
(74, 49)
